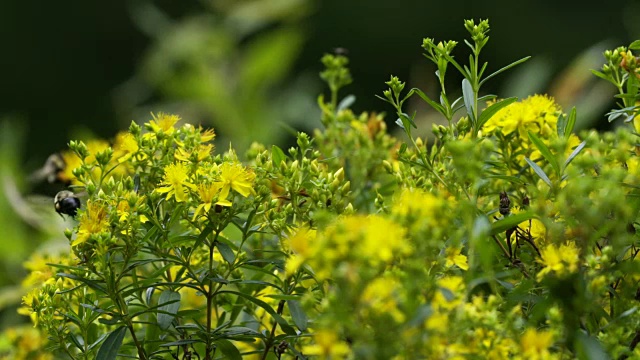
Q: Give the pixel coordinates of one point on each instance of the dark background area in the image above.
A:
(63, 62)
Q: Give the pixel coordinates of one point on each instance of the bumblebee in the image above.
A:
(66, 202)
(51, 171)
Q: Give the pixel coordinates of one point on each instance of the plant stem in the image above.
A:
(269, 342)
(210, 295)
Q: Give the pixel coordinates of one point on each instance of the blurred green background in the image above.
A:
(249, 68)
(242, 65)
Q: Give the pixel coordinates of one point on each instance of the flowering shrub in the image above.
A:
(504, 236)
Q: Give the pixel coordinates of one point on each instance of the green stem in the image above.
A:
(269, 342)
(210, 295)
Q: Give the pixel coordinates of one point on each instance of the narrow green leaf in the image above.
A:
(511, 179)
(346, 102)
(277, 317)
(509, 222)
(484, 67)
(92, 284)
(283, 297)
(493, 109)
(505, 68)
(546, 153)
(181, 342)
(431, 103)
(571, 122)
(228, 349)
(538, 171)
(111, 345)
(99, 341)
(168, 306)
(298, 315)
(635, 45)
(561, 124)
(467, 94)
(575, 153)
(226, 252)
(277, 156)
(588, 347)
(601, 75)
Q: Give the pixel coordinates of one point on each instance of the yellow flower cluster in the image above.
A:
(461, 329)
(537, 114)
(373, 240)
(559, 260)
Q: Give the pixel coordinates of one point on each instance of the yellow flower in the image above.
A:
(207, 193)
(163, 123)
(92, 221)
(450, 293)
(124, 147)
(175, 182)
(301, 246)
(454, 257)
(383, 238)
(379, 297)
(124, 210)
(538, 114)
(71, 161)
(327, 346)
(30, 302)
(206, 135)
(94, 147)
(535, 344)
(559, 260)
(202, 152)
(417, 203)
(234, 176)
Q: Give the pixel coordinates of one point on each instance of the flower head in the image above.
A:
(124, 147)
(93, 221)
(234, 176)
(454, 257)
(208, 193)
(176, 182)
(560, 260)
(163, 123)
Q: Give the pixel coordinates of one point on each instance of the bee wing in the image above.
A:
(49, 171)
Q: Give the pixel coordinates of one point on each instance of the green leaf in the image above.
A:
(181, 342)
(493, 109)
(277, 317)
(601, 75)
(298, 315)
(635, 45)
(544, 150)
(346, 102)
(111, 345)
(468, 96)
(226, 252)
(92, 284)
(168, 306)
(575, 153)
(509, 222)
(228, 349)
(538, 171)
(588, 347)
(561, 124)
(505, 68)
(512, 179)
(277, 156)
(571, 122)
(431, 103)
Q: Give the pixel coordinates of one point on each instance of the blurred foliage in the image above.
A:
(226, 66)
